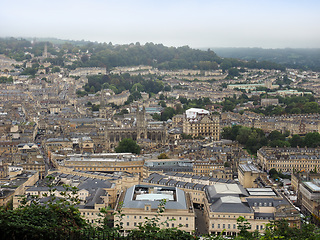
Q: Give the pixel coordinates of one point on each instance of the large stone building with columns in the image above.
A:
(139, 130)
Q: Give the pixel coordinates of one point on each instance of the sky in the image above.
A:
(196, 23)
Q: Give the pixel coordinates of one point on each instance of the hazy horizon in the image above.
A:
(199, 24)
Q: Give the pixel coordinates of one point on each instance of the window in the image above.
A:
(139, 217)
(234, 226)
(135, 224)
(167, 224)
(218, 225)
(257, 227)
(223, 226)
(127, 223)
(179, 218)
(261, 227)
(187, 225)
(187, 219)
(212, 225)
(228, 226)
(172, 225)
(135, 217)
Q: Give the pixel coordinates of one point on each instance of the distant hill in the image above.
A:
(304, 58)
(94, 54)
(58, 41)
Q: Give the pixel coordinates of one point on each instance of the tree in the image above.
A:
(312, 139)
(226, 164)
(137, 87)
(276, 135)
(156, 116)
(92, 89)
(272, 171)
(162, 97)
(243, 135)
(84, 58)
(279, 143)
(233, 72)
(167, 113)
(163, 156)
(311, 107)
(55, 69)
(296, 141)
(128, 145)
(244, 226)
(54, 218)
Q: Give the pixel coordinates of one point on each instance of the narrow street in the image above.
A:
(200, 223)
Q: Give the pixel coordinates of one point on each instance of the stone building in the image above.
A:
(88, 71)
(309, 198)
(299, 177)
(248, 174)
(269, 101)
(103, 162)
(142, 201)
(93, 194)
(140, 129)
(200, 123)
(289, 159)
(224, 203)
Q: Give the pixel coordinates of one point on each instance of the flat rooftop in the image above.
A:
(154, 197)
(261, 192)
(314, 187)
(139, 195)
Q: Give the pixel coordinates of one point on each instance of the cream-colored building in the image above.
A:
(88, 71)
(213, 168)
(309, 194)
(17, 186)
(225, 203)
(93, 194)
(248, 174)
(142, 201)
(104, 162)
(192, 184)
(199, 122)
(289, 159)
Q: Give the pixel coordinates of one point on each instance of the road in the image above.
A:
(201, 227)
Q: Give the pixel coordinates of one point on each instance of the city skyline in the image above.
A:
(198, 24)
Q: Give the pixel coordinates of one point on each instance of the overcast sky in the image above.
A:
(197, 23)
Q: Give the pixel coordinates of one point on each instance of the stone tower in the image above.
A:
(141, 123)
(102, 109)
(45, 51)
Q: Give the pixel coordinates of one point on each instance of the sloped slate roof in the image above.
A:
(217, 191)
(230, 204)
(94, 184)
